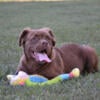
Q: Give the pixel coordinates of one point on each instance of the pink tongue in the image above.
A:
(42, 57)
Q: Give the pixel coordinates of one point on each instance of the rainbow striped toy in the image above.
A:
(32, 80)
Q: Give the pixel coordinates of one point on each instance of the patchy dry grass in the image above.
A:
(72, 22)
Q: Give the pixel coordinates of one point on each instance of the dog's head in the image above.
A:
(37, 44)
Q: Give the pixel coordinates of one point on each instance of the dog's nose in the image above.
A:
(44, 43)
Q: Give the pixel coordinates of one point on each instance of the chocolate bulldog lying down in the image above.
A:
(40, 56)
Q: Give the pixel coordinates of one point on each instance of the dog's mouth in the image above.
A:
(41, 56)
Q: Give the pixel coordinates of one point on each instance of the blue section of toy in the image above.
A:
(64, 76)
(37, 79)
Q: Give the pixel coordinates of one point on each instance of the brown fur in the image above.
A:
(64, 59)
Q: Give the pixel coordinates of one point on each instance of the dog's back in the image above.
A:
(81, 56)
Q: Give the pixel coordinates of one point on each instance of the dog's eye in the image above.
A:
(35, 39)
(48, 38)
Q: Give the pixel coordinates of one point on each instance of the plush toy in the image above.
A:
(31, 80)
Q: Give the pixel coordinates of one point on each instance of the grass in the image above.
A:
(72, 21)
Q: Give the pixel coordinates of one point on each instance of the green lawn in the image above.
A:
(72, 21)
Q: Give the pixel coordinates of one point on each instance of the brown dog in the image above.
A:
(42, 57)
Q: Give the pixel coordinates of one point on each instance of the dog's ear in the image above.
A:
(53, 37)
(51, 34)
(23, 36)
